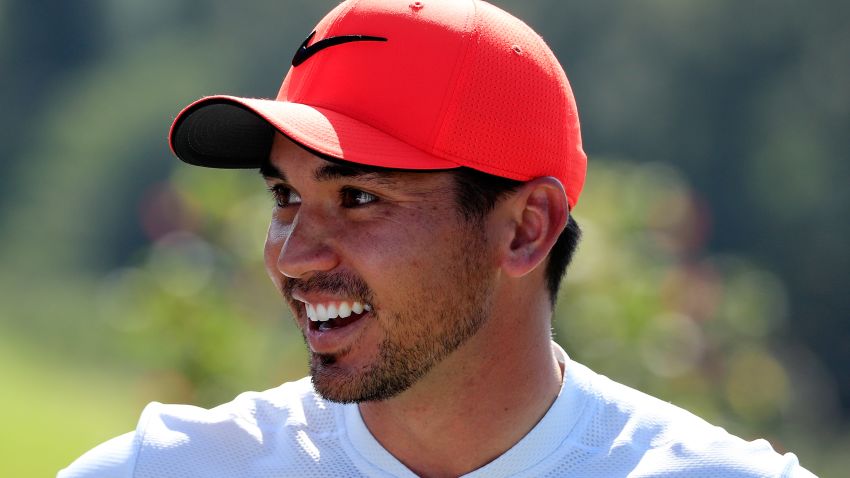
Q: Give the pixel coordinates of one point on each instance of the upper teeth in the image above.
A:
(332, 310)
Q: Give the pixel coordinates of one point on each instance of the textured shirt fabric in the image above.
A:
(595, 428)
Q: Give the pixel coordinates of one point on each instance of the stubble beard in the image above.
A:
(409, 352)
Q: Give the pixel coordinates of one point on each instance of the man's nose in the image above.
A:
(307, 248)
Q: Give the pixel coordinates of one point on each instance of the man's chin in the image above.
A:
(332, 381)
(336, 384)
(335, 388)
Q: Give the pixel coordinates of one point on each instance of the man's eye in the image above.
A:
(284, 196)
(356, 198)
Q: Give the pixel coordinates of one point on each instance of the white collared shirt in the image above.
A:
(595, 428)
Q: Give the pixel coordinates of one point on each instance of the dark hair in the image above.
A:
(477, 193)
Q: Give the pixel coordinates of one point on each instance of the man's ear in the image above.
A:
(539, 212)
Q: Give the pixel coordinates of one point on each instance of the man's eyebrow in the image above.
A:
(334, 171)
(268, 170)
(331, 172)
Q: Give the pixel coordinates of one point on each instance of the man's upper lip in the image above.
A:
(321, 298)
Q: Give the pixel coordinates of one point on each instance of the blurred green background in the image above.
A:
(713, 271)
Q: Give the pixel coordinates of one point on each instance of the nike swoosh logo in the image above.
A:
(304, 52)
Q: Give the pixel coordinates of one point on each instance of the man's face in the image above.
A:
(390, 246)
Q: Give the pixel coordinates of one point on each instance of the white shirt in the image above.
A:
(595, 428)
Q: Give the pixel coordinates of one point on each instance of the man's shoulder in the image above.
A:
(235, 434)
(628, 415)
(291, 405)
(228, 440)
(652, 437)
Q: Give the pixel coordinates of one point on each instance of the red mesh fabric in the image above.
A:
(457, 82)
(512, 114)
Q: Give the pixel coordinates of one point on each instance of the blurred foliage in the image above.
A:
(712, 272)
(646, 303)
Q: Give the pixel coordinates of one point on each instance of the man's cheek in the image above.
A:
(271, 252)
(275, 240)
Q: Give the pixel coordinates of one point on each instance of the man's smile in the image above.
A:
(334, 310)
(332, 314)
(333, 321)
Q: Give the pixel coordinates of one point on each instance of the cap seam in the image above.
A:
(459, 76)
(557, 69)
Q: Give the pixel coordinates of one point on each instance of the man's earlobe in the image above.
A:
(540, 212)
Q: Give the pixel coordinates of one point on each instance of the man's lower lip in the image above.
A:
(328, 341)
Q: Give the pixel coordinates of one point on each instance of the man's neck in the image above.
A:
(476, 404)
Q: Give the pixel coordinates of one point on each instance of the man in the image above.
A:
(423, 158)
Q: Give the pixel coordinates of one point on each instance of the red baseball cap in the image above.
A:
(419, 85)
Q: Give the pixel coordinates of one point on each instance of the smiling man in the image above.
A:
(371, 266)
(423, 159)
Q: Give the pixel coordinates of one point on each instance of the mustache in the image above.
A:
(347, 285)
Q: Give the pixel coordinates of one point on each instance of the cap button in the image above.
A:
(416, 6)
